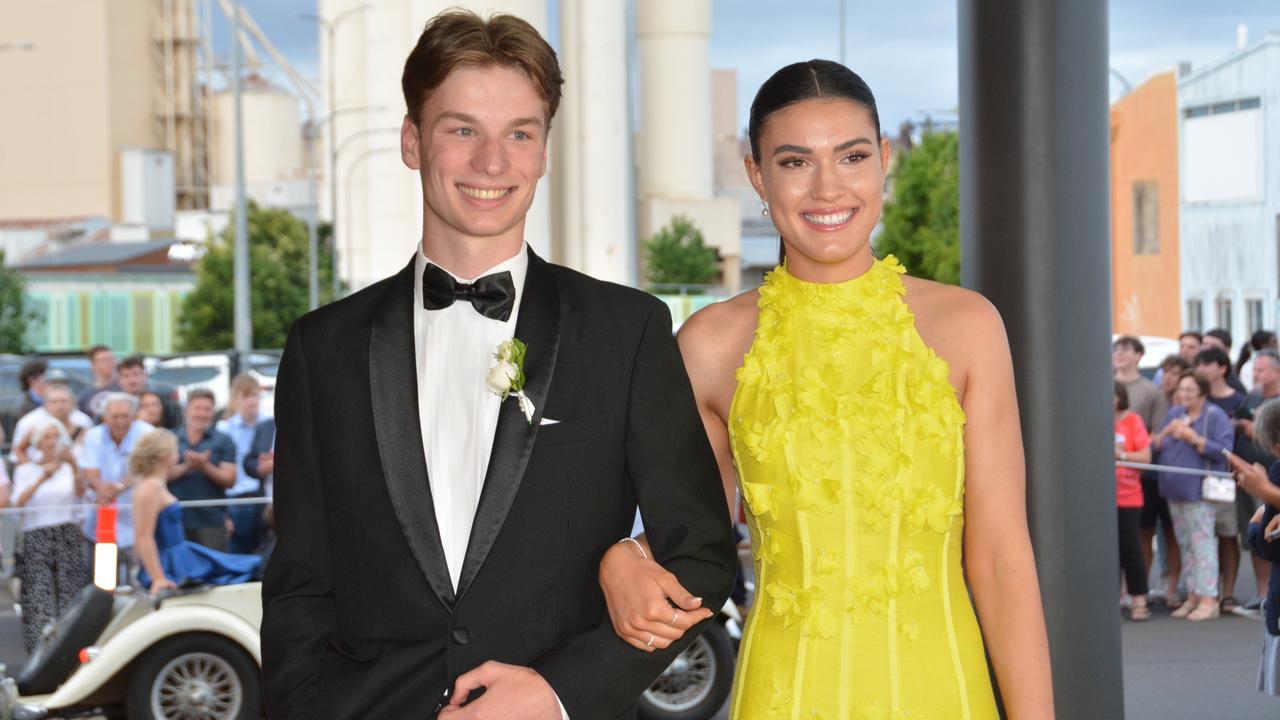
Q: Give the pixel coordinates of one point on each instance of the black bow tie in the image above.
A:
(492, 296)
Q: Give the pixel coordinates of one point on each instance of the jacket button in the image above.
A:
(461, 636)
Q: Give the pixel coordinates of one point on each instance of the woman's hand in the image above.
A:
(1271, 527)
(640, 594)
(160, 584)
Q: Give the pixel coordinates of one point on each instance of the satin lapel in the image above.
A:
(539, 328)
(393, 380)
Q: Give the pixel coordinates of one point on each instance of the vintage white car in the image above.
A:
(192, 654)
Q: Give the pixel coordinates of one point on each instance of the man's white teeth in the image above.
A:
(482, 194)
(829, 219)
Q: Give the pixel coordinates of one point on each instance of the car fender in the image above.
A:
(138, 637)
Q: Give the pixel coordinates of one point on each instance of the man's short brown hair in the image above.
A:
(460, 37)
(92, 352)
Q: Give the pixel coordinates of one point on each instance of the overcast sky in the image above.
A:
(905, 50)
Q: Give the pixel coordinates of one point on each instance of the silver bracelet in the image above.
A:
(635, 542)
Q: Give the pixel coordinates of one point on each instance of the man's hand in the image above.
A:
(266, 463)
(1251, 477)
(1245, 426)
(1271, 527)
(511, 692)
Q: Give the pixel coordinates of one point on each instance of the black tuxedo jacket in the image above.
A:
(360, 618)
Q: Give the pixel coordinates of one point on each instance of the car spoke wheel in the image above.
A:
(696, 683)
(196, 686)
(200, 676)
(686, 681)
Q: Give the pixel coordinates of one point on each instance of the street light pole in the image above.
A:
(243, 318)
(842, 13)
(331, 27)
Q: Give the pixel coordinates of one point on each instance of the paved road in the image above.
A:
(1173, 669)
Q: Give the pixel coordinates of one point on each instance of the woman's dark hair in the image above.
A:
(1200, 383)
(809, 80)
(1258, 341)
(1122, 396)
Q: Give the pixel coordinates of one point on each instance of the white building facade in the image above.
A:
(1229, 168)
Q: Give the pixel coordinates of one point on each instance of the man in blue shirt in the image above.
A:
(242, 427)
(205, 470)
(106, 467)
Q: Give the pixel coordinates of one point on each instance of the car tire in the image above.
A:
(696, 684)
(205, 673)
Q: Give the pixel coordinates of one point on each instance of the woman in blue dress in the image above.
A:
(168, 558)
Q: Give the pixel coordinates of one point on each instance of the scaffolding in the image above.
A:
(181, 59)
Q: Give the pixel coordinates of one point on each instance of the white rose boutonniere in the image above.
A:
(506, 377)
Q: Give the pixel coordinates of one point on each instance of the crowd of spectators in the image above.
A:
(70, 454)
(1181, 539)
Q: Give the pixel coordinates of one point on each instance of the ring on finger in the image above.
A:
(651, 639)
(674, 615)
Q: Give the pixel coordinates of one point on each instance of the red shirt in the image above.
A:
(1131, 436)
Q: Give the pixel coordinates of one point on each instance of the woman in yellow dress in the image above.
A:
(869, 419)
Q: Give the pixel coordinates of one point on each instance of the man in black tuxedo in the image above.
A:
(441, 514)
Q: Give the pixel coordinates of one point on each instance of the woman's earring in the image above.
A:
(764, 211)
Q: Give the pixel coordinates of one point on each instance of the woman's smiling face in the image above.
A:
(821, 171)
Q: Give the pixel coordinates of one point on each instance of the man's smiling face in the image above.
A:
(480, 147)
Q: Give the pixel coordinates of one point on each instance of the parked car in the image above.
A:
(214, 370)
(193, 654)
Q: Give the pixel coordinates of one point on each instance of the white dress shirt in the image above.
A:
(459, 414)
(455, 349)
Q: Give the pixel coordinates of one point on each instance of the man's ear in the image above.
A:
(409, 143)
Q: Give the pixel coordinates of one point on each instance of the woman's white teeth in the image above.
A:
(482, 194)
(829, 219)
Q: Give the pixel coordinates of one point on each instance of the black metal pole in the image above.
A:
(1034, 228)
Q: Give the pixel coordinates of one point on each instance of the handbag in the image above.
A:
(1216, 489)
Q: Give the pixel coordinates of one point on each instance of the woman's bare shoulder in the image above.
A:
(960, 325)
(720, 329)
(950, 310)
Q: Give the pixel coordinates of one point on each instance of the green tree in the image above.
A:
(15, 313)
(677, 255)
(922, 218)
(278, 284)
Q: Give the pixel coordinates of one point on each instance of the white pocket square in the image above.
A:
(548, 421)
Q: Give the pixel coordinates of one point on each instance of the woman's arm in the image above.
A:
(1218, 434)
(997, 545)
(37, 473)
(147, 499)
(1140, 442)
(638, 591)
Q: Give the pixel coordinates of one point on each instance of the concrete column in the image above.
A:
(591, 138)
(1035, 240)
(676, 158)
(674, 38)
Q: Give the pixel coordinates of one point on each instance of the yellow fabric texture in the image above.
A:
(849, 445)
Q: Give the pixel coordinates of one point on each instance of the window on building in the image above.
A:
(1253, 313)
(1224, 313)
(1146, 228)
(1195, 315)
